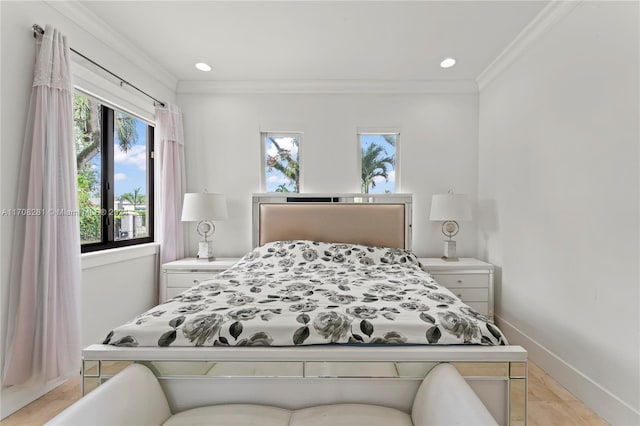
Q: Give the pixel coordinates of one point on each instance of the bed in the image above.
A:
(330, 304)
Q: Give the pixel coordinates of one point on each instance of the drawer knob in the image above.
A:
(459, 295)
(459, 281)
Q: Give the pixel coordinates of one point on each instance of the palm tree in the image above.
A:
(86, 113)
(285, 164)
(87, 136)
(390, 139)
(375, 163)
(282, 188)
(136, 199)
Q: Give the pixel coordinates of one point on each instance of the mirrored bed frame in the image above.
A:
(296, 377)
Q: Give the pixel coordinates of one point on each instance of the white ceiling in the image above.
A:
(319, 40)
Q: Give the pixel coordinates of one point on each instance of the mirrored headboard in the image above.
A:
(369, 219)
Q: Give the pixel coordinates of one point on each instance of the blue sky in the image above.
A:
(129, 168)
(381, 185)
(274, 178)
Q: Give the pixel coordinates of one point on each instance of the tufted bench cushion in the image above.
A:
(232, 415)
(249, 414)
(135, 397)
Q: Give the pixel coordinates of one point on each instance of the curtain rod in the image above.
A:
(37, 29)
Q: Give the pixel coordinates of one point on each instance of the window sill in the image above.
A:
(95, 259)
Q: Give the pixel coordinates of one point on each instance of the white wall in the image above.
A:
(558, 181)
(18, 50)
(438, 146)
(117, 285)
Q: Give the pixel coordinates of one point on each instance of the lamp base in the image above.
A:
(450, 251)
(205, 251)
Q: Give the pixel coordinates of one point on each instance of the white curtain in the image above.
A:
(169, 181)
(43, 323)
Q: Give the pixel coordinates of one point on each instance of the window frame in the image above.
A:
(107, 196)
(263, 157)
(396, 164)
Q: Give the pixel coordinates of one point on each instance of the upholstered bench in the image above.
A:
(135, 397)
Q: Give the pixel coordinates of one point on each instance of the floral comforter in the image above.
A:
(290, 293)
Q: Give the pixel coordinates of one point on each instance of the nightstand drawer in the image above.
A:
(462, 280)
(471, 294)
(179, 275)
(188, 279)
(470, 279)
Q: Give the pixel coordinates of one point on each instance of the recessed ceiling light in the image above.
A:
(203, 67)
(448, 63)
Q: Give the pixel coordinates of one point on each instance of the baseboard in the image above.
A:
(16, 397)
(604, 403)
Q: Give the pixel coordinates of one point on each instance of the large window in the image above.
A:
(115, 175)
(378, 162)
(281, 161)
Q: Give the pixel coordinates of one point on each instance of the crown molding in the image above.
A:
(328, 86)
(94, 25)
(552, 13)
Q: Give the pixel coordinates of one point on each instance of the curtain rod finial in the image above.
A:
(37, 29)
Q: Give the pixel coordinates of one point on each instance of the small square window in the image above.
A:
(378, 162)
(281, 167)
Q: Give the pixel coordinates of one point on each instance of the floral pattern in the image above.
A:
(303, 293)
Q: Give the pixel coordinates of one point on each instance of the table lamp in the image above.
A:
(204, 208)
(450, 208)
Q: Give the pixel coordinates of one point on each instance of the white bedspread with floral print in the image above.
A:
(291, 293)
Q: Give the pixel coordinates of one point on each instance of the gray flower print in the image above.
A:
(439, 297)
(390, 337)
(189, 309)
(255, 282)
(332, 325)
(414, 306)
(299, 287)
(316, 266)
(362, 312)
(286, 263)
(244, 314)
(202, 328)
(211, 286)
(304, 307)
(459, 326)
(239, 299)
(128, 341)
(340, 247)
(192, 297)
(472, 313)
(252, 256)
(342, 299)
(326, 293)
(254, 266)
(416, 281)
(384, 288)
(338, 281)
(310, 255)
(367, 261)
(258, 339)
(391, 298)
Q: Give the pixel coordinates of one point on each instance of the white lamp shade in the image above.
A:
(450, 207)
(204, 206)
